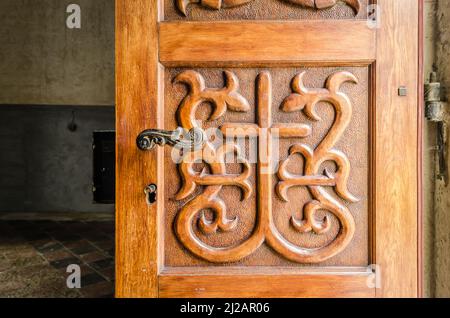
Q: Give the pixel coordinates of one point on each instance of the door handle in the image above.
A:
(187, 140)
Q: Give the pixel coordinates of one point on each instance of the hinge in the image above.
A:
(435, 112)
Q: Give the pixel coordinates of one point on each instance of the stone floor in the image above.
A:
(34, 256)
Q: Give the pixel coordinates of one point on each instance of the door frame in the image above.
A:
(138, 77)
(420, 153)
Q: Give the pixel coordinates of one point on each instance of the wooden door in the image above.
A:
(306, 184)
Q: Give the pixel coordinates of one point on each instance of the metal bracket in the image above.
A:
(435, 112)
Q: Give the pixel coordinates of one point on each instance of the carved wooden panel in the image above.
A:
(312, 209)
(264, 9)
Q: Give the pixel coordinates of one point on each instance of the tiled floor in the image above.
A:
(34, 256)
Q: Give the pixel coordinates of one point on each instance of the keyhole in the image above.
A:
(150, 192)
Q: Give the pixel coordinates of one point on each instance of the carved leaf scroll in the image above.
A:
(304, 99)
(221, 100)
(228, 99)
(219, 4)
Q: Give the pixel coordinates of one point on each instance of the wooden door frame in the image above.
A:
(138, 77)
(420, 154)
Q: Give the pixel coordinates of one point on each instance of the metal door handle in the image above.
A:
(191, 140)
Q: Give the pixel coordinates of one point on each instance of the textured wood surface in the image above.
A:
(268, 43)
(420, 154)
(267, 286)
(136, 95)
(396, 142)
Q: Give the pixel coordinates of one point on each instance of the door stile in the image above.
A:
(396, 184)
(136, 96)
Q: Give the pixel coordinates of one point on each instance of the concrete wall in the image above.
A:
(44, 62)
(44, 167)
(437, 192)
(442, 191)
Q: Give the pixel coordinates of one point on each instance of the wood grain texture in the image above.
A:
(137, 84)
(352, 285)
(396, 162)
(264, 270)
(420, 155)
(268, 43)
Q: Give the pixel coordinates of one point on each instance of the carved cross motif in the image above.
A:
(265, 130)
(219, 4)
(228, 99)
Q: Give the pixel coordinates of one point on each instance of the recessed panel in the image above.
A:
(309, 209)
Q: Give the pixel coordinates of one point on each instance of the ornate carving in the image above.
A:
(222, 100)
(219, 4)
(304, 99)
(211, 4)
(228, 98)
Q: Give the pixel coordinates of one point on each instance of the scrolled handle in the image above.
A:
(180, 138)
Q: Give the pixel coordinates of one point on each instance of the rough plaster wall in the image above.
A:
(442, 195)
(44, 62)
(429, 164)
(44, 167)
